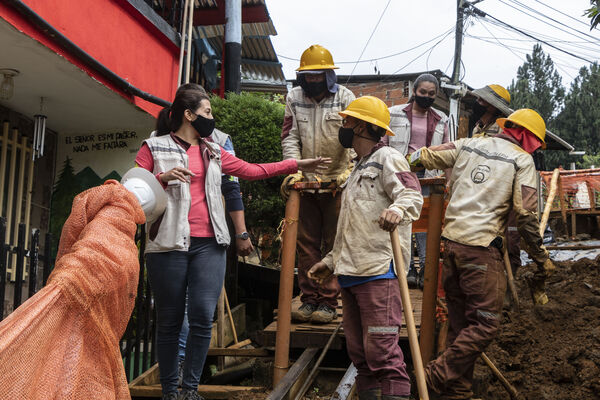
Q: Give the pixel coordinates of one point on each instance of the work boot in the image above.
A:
(323, 315)
(412, 278)
(190, 394)
(371, 394)
(170, 396)
(303, 313)
(421, 279)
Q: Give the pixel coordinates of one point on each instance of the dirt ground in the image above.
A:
(550, 351)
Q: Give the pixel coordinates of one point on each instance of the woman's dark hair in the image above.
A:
(424, 78)
(187, 97)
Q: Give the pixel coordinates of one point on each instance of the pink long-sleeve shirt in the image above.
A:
(199, 217)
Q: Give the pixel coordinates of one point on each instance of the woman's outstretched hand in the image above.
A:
(317, 165)
(177, 173)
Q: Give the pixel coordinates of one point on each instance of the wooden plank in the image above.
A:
(239, 318)
(149, 377)
(574, 247)
(345, 386)
(207, 391)
(301, 365)
(239, 352)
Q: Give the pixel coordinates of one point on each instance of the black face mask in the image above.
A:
(478, 111)
(313, 89)
(204, 126)
(424, 101)
(345, 136)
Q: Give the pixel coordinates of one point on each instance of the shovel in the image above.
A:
(408, 317)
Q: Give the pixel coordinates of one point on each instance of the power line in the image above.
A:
(560, 12)
(542, 21)
(531, 36)
(367, 44)
(420, 55)
(552, 19)
(525, 51)
(383, 57)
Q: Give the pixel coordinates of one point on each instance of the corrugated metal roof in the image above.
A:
(254, 29)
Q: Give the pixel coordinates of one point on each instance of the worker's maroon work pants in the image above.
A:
(316, 234)
(475, 283)
(372, 321)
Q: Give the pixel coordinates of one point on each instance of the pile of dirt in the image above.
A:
(550, 351)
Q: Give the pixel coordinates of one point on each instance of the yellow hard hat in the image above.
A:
(501, 91)
(528, 119)
(316, 57)
(370, 109)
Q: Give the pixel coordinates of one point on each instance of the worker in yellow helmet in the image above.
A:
(491, 102)
(490, 177)
(380, 195)
(310, 127)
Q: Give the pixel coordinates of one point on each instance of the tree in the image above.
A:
(579, 121)
(254, 123)
(539, 86)
(593, 13)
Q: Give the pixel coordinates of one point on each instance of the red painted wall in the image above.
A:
(115, 34)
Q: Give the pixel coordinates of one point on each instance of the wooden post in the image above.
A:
(182, 43)
(19, 204)
(221, 327)
(286, 286)
(549, 200)
(563, 208)
(3, 154)
(409, 318)
(28, 197)
(432, 259)
(11, 184)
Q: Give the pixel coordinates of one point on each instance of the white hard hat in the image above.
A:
(147, 190)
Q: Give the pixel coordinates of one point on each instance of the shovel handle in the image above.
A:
(408, 317)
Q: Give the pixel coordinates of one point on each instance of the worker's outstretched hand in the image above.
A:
(319, 272)
(389, 220)
(316, 165)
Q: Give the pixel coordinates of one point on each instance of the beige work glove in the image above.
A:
(287, 182)
(343, 177)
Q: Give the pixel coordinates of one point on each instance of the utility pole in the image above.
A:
(233, 45)
(455, 97)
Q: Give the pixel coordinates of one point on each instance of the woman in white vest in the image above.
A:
(186, 247)
(417, 124)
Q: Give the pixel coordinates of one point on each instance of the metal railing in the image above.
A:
(27, 262)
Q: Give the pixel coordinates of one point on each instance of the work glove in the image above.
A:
(287, 182)
(414, 159)
(537, 281)
(537, 287)
(343, 177)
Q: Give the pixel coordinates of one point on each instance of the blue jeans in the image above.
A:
(200, 273)
(421, 242)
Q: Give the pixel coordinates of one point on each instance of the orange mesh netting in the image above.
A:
(581, 189)
(63, 343)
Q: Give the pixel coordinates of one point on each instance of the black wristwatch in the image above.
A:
(243, 236)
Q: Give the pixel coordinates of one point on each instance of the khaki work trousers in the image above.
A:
(316, 234)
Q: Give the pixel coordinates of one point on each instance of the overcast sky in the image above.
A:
(344, 26)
